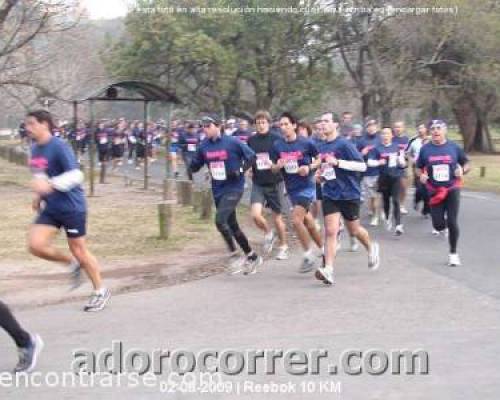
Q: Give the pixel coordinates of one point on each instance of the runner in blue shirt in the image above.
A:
(227, 160)
(60, 203)
(441, 165)
(390, 159)
(189, 141)
(370, 176)
(338, 165)
(293, 156)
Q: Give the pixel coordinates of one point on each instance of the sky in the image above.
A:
(106, 9)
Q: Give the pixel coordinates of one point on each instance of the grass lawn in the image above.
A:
(122, 221)
(491, 180)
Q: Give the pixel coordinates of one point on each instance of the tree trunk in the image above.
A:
(473, 126)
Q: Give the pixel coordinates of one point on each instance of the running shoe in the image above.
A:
(399, 230)
(307, 265)
(374, 256)
(282, 253)
(236, 263)
(269, 241)
(435, 232)
(374, 221)
(403, 210)
(454, 260)
(75, 275)
(97, 300)
(326, 275)
(28, 356)
(252, 264)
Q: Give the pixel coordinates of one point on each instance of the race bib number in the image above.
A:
(441, 172)
(328, 172)
(393, 160)
(103, 141)
(218, 170)
(263, 161)
(291, 166)
(132, 139)
(191, 147)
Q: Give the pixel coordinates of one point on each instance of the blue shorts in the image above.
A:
(74, 223)
(303, 201)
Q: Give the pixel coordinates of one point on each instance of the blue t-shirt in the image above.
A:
(440, 162)
(296, 154)
(224, 156)
(53, 159)
(340, 184)
(390, 154)
(369, 142)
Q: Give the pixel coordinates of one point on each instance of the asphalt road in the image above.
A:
(414, 302)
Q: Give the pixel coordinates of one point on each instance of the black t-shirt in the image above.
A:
(261, 144)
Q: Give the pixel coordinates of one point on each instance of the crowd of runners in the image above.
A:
(318, 175)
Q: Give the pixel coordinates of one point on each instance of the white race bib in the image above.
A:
(103, 141)
(291, 166)
(191, 147)
(393, 160)
(218, 170)
(132, 139)
(441, 172)
(263, 161)
(328, 172)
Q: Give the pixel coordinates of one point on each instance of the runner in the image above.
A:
(118, 144)
(391, 160)
(267, 187)
(102, 142)
(414, 147)
(441, 165)
(175, 131)
(189, 141)
(401, 139)
(346, 127)
(293, 155)
(370, 176)
(60, 203)
(227, 159)
(318, 138)
(29, 346)
(340, 162)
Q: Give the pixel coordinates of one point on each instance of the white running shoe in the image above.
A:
(326, 275)
(374, 221)
(28, 356)
(307, 265)
(251, 265)
(403, 210)
(399, 230)
(354, 245)
(435, 232)
(454, 260)
(236, 263)
(374, 256)
(269, 241)
(282, 253)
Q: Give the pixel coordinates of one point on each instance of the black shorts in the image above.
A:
(74, 223)
(117, 151)
(349, 209)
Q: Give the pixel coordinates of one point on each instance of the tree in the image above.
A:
(232, 63)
